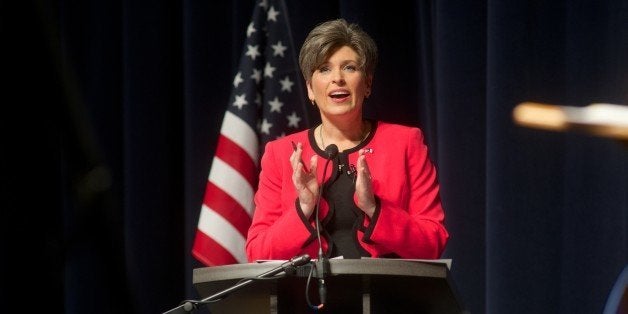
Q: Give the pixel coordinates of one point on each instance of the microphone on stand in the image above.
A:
(189, 306)
(322, 263)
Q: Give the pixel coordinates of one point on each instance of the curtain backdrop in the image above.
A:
(119, 105)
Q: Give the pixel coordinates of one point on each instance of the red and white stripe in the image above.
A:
(228, 203)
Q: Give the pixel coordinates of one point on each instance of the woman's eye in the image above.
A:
(351, 68)
(323, 69)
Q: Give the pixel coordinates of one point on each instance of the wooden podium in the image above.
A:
(354, 286)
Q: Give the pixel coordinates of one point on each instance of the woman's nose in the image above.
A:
(337, 76)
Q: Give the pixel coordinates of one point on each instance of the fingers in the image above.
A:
(363, 179)
(363, 168)
(296, 158)
(363, 186)
(301, 175)
(313, 163)
(304, 180)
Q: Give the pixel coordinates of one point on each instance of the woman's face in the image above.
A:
(339, 85)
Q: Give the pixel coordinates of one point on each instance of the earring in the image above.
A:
(313, 102)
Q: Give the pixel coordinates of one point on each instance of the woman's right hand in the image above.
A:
(304, 181)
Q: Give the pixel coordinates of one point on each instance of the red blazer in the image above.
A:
(408, 221)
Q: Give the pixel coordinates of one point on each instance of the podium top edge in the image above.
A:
(371, 266)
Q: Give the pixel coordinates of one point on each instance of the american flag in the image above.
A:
(267, 101)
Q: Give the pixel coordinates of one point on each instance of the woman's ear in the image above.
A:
(369, 85)
(310, 92)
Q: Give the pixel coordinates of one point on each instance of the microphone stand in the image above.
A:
(190, 305)
(322, 263)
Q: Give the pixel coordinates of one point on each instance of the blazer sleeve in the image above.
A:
(278, 229)
(412, 228)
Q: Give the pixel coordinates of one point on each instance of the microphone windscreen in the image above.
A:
(331, 150)
(188, 307)
(300, 260)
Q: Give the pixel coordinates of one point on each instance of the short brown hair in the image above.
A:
(327, 37)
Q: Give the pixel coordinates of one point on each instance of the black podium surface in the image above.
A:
(354, 286)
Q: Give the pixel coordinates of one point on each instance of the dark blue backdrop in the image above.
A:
(116, 106)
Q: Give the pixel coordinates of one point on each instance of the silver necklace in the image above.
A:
(320, 134)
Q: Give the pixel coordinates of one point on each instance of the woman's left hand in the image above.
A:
(364, 186)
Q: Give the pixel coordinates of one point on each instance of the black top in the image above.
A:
(343, 215)
(341, 224)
